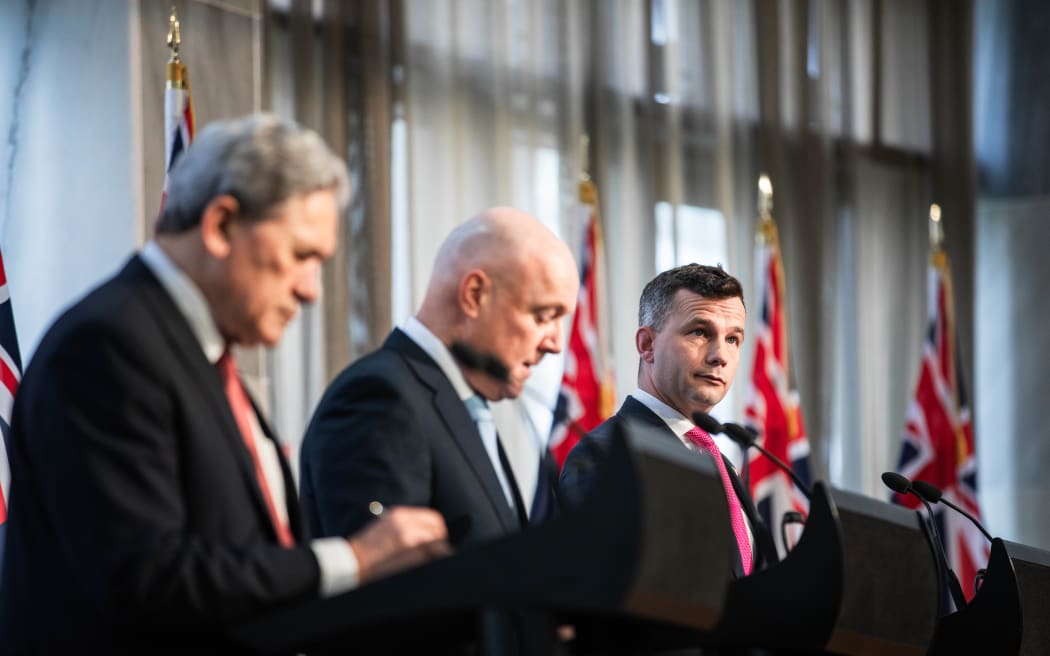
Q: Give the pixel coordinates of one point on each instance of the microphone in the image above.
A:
(746, 439)
(901, 485)
(896, 482)
(933, 494)
(488, 364)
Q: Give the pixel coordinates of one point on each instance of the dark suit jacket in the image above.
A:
(392, 429)
(582, 464)
(136, 522)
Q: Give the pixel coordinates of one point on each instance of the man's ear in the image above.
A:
(643, 341)
(474, 289)
(217, 219)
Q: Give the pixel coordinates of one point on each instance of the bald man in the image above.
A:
(409, 423)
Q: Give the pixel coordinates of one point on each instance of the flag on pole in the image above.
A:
(10, 376)
(587, 390)
(938, 444)
(773, 411)
(178, 104)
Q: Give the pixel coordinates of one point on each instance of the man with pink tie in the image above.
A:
(691, 330)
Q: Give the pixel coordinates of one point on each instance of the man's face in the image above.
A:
(522, 322)
(274, 265)
(689, 364)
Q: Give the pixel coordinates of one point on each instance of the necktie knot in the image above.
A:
(702, 439)
(231, 379)
(479, 410)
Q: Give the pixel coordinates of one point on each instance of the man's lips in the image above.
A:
(711, 378)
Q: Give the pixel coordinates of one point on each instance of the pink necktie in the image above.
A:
(736, 516)
(241, 406)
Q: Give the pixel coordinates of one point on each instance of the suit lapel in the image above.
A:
(457, 422)
(200, 375)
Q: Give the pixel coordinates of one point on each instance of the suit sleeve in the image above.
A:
(367, 442)
(104, 418)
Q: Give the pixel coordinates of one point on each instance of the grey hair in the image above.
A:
(261, 160)
(707, 281)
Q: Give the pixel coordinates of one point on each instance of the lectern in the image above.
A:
(890, 595)
(642, 564)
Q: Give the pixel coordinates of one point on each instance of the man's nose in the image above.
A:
(552, 341)
(716, 353)
(308, 285)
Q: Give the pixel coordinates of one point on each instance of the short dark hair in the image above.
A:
(708, 281)
(261, 160)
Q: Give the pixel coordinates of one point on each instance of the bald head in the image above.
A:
(501, 284)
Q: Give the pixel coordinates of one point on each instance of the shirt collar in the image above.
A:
(679, 425)
(188, 298)
(437, 350)
(675, 420)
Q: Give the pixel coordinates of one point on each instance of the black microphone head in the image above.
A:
(708, 423)
(494, 367)
(739, 434)
(466, 355)
(896, 482)
(471, 358)
(927, 491)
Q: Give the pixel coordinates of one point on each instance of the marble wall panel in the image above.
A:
(68, 196)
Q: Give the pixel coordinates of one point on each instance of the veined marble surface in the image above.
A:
(67, 192)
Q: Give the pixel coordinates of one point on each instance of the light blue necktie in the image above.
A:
(482, 416)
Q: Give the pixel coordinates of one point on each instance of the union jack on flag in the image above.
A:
(10, 376)
(586, 395)
(773, 411)
(938, 444)
(178, 106)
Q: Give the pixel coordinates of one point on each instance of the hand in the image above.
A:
(399, 538)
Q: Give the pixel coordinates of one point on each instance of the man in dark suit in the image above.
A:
(691, 328)
(409, 423)
(151, 508)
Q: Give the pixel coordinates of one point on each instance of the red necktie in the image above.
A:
(242, 412)
(736, 516)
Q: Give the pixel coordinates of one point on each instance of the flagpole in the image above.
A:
(178, 104)
(770, 239)
(588, 195)
(939, 260)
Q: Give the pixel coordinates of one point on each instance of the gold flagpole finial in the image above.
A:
(177, 76)
(767, 229)
(174, 36)
(588, 193)
(585, 143)
(765, 197)
(936, 229)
